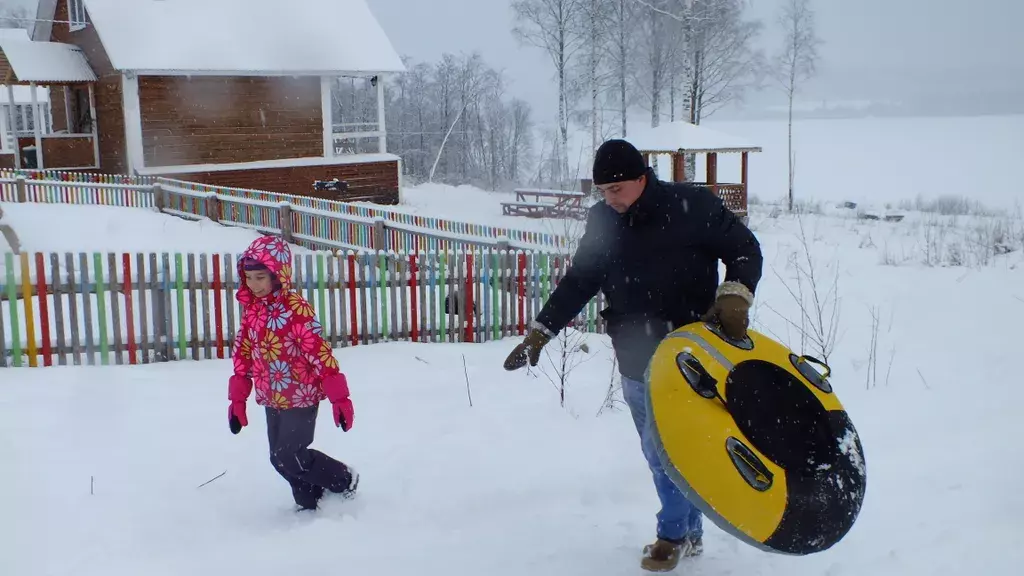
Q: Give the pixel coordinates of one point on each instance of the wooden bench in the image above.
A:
(546, 203)
(542, 210)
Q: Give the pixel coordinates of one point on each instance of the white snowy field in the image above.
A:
(886, 160)
(106, 461)
(877, 161)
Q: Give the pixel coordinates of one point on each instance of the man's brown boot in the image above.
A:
(662, 556)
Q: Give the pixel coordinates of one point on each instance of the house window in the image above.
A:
(76, 14)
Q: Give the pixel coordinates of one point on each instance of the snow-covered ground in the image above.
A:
(103, 464)
(107, 461)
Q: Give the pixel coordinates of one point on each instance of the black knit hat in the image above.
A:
(618, 161)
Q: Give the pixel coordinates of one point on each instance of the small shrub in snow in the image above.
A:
(819, 303)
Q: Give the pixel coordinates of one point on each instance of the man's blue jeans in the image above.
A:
(678, 518)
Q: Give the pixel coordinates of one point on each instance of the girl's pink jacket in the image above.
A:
(280, 343)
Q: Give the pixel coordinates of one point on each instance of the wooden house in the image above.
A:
(241, 93)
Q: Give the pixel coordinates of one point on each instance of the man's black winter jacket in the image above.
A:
(657, 265)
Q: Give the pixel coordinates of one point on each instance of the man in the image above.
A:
(653, 248)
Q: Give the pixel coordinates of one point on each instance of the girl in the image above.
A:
(281, 349)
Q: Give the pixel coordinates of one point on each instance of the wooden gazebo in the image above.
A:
(679, 138)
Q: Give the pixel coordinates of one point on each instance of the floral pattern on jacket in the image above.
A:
(280, 343)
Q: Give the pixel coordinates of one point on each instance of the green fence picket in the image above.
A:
(12, 300)
(101, 308)
(498, 284)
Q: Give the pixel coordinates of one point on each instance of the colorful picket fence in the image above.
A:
(75, 188)
(132, 308)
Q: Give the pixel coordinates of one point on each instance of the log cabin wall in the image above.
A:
(218, 120)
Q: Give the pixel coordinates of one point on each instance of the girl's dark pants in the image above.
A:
(308, 471)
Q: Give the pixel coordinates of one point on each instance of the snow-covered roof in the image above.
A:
(23, 94)
(265, 37)
(686, 137)
(45, 61)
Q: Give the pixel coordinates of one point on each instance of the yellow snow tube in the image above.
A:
(755, 437)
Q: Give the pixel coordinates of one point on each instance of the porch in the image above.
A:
(73, 142)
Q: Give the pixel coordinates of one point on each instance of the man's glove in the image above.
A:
(528, 350)
(731, 309)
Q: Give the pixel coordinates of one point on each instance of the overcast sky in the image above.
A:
(871, 47)
(900, 49)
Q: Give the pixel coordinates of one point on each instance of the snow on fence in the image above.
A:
(107, 308)
(316, 223)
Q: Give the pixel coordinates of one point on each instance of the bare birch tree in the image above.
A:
(656, 38)
(722, 61)
(594, 35)
(796, 62)
(553, 26)
(620, 47)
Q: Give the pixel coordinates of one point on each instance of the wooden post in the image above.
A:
(678, 167)
(95, 127)
(14, 125)
(21, 189)
(285, 216)
(35, 127)
(159, 200)
(380, 235)
(5, 133)
(743, 179)
(213, 207)
(712, 167)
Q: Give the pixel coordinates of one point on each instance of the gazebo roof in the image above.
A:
(680, 136)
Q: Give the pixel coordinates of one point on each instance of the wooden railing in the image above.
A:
(734, 195)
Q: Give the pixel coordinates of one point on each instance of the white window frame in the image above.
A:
(76, 15)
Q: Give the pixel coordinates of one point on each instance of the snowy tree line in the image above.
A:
(676, 59)
(451, 121)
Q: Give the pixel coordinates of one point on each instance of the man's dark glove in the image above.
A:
(529, 350)
(731, 310)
